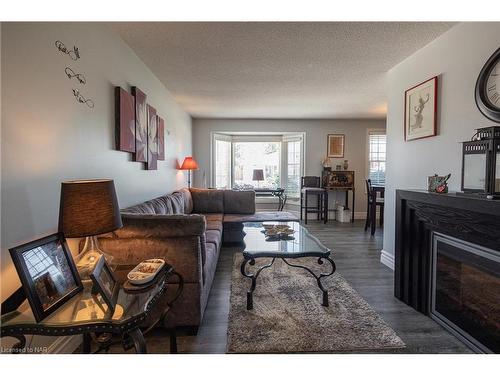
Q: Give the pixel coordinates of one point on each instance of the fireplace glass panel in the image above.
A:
(467, 292)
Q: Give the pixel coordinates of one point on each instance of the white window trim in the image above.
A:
(369, 131)
(213, 137)
(284, 152)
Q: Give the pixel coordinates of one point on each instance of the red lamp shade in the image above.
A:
(189, 163)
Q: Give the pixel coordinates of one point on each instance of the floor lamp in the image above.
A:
(189, 164)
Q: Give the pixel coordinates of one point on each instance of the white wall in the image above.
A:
(456, 57)
(47, 137)
(316, 139)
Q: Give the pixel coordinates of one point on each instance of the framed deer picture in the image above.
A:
(421, 110)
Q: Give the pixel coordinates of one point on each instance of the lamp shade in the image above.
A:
(258, 175)
(189, 163)
(88, 208)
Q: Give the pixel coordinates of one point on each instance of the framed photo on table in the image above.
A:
(105, 283)
(335, 145)
(47, 272)
(421, 110)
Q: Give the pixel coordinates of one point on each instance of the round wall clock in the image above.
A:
(488, 88)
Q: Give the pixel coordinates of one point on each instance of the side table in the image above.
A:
(87, 314)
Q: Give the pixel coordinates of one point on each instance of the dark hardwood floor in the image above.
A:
(357, 256)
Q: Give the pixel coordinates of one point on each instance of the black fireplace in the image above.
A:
(465, 291)
(447, 263)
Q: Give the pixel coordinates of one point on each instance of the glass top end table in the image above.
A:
(87, 313)
(301, 244)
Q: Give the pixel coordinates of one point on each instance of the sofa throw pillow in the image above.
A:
(207, 200)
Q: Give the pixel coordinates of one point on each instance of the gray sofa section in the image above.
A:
(187, 229)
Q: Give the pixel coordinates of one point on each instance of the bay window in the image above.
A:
(236, 156)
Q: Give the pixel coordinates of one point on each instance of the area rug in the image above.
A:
(288, 316)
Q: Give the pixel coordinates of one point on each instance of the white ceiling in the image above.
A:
(277, 70)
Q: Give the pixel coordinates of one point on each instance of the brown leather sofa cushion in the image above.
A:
(143, 226)
(207, 200)
(239, 202)
(213, 236)
(214, 225)
(188, 200)
(164, 205)
(213, 217)
(177, 201)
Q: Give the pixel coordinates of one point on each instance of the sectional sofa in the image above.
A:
(187, 229)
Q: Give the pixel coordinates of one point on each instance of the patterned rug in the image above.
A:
(288, 317)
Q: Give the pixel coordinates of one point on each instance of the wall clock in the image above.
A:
(488, 88)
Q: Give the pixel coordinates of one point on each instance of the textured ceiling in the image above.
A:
(277, 70)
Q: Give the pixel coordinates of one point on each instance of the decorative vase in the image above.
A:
(346, 165)
(326, 163)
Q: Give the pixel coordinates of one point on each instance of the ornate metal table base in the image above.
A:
(278, 193)
(255, 275)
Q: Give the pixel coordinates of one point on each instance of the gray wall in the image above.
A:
(48, 137)
(316, 138)
(456, 57)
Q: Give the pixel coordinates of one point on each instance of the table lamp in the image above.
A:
(258, 175)
(88, 208)
(189, 164)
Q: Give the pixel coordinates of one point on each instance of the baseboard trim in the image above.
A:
(65, 344)
(359, 215)
(387, 259)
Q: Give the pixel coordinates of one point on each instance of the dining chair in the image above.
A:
(371, 208)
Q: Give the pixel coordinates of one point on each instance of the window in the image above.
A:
(236, 156)
(376, 156)
(249, 156)
(293, 166)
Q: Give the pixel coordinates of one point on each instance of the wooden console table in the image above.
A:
(340, 181)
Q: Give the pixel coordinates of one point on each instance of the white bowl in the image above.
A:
(145, 271)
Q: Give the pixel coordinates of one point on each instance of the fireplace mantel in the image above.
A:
(418, 214)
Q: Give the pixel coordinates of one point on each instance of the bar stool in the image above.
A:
(311, 185)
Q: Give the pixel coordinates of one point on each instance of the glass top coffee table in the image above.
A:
(301, 244)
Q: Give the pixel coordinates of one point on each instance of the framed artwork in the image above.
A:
(105, 284)
(338, 179)
(124, 120)
(141, 126)
(152, 139)
(420, 110)
(161, 138)
(47, 272)
(335, 145)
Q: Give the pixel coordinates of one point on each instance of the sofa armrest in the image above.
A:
(183, 253)
(148, 226)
